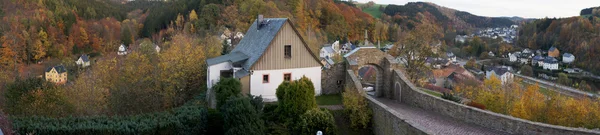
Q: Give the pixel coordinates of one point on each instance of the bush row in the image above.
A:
(182, 120)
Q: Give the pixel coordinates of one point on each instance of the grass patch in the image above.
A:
(333, 99)
(434, 93)
(374, 11)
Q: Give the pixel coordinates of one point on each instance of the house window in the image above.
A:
(287, 77)
(265, 78)
(288, 51)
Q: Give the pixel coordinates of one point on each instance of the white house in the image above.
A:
(271, 52)
(122, 50)
(512, 57)
(550, 63)
(491, 54)
(157, 48)
(568, 58)
(83, 61)
(451, 56)
(501, 73)
(327, 51)
(537, 60)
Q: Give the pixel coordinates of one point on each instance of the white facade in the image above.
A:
(504, 78)
(512, 57)
(214, 73)
(268, 90)
(551, 66)
(567, 59)
(122, 50)
(82, 63)
(326, 52)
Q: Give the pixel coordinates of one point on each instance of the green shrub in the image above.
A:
(449, 96)
(295, 98)
(226, 88)
(182, 120)
(215, 122)
(357, 108)
(241, 118)
(317, 120)
(257, 102)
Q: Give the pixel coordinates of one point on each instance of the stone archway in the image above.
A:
(383, 62)
(371, 75)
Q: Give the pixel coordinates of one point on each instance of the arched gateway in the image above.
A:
(383, 63)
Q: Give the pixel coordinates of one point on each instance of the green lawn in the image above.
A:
(434, 93)
(334, 99)
(374, 10)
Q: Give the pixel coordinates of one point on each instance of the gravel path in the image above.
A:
(439, 124)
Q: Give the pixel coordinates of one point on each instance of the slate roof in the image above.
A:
(328, 49)
(552, 49)
(499, 70)
(567, 55)
(550, 60)
(84, 58)
(59, 69)
(538, 58)
(233, 57)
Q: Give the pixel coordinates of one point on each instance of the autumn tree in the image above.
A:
(527, 70)
(126, 36)
(564, 79)
(415, 48)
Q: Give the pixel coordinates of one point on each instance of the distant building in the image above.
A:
(122, 50)
(501, 73)
(83, 61)
(327, 62)
(553, 52)
(537, 61)
(56, 74)
(491, 54)
(327, 51)
(512, 57)
(550, 63)
(451, 56)
(568, 58)
(157, 48)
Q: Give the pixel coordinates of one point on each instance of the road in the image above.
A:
(439, 124)
(557, 87)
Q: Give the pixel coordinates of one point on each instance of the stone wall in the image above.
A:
(385, 120)
(332, 79)
(412, 96)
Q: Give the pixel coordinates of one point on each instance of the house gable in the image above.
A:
(274, 56)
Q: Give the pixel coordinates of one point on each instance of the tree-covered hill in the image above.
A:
(446, 17)
(576, 35)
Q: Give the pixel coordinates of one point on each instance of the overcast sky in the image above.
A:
(509, 8)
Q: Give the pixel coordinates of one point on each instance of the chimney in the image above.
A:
(259, 21)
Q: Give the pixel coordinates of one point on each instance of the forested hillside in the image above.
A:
(446, 17)
(576, 35)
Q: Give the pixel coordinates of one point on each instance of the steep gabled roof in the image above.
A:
(258, 38)
(84, 58)
(231, 57)
(59, 69)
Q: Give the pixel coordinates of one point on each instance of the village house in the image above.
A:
(56, 74)
(83, 61)
(550, 63)
(553, 52)
(271, 52)
(122, 50)
(451, 57)
(537, 61)
(568, 58)
(501, 73)
(491, 54)
(346, 48)
(512, 57)
(328, 51)
(327, 62)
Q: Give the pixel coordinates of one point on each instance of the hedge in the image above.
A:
(182, 120)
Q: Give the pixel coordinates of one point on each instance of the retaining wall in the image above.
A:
(412, 96)
(385, 120)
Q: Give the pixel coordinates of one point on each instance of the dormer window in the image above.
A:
(288, 51)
